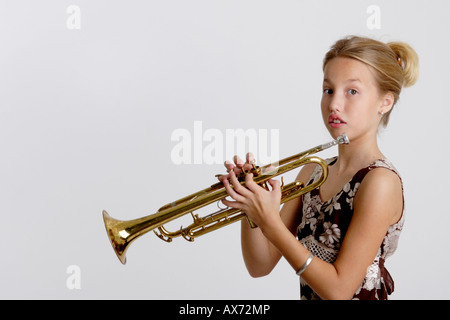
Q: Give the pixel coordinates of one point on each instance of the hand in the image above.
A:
(238, 165)
(261, 206)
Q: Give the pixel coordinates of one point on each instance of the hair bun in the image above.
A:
(408, 60)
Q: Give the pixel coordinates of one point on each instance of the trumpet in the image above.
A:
(122, 233)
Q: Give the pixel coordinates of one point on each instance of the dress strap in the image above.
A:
(380, 163)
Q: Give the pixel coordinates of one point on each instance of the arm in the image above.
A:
(371, 219)
(260, 255)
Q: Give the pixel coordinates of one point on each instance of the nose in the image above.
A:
(336, 104)
(334, 108)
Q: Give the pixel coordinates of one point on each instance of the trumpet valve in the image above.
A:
(187, 236)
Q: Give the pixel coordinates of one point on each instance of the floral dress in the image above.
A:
(324, 225)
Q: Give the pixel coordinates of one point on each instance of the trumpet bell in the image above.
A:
(118, 239)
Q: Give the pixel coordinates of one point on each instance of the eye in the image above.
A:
(352, 92)
(327, 91)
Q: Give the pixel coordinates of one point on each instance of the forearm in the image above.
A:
(260, 256)
(321, 276)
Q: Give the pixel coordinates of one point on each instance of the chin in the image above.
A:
(335, 133)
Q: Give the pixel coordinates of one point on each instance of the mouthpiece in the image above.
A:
(343, 139)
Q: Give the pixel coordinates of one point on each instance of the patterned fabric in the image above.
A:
(324, 225)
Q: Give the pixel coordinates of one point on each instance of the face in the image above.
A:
(351, 102)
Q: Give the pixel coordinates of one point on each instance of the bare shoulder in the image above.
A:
(382, 179)
(381, 191)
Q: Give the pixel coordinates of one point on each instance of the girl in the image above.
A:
(351, 224)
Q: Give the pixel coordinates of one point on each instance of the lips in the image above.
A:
(335, 121)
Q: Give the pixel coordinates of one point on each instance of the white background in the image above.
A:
(86, 118)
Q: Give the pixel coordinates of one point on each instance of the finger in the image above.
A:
(275, 184)
(242, 165)
(250, 184)
(250, 162)
(239, 164)
(229, 165)
(250, 158)
(238, 161)
(223, 177)
(268, 169)
(232, 204)
(248, 166)
(237, 185)
(231, 192)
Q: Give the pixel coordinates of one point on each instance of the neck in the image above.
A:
(359, 153)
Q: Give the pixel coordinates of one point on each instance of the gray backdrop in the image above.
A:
(92, 93)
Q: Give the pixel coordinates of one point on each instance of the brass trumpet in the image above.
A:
(123, 233)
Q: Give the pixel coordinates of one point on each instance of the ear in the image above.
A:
(387, 102)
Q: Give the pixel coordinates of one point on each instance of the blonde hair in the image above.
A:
(396, 63)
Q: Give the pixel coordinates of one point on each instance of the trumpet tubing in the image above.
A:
(122, 233)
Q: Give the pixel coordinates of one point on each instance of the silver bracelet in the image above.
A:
(303, 268)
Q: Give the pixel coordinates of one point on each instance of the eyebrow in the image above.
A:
(349, 80)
